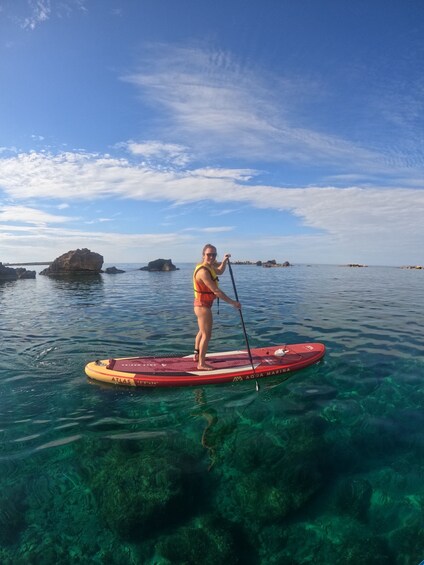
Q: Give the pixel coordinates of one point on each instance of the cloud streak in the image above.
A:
(32, 216)
(41, 11)
(217, 105)
(353, 217)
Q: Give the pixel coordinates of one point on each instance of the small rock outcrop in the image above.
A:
(77, 262)
(10, 274)
(24, 274)
(160, 265)
(273, 263)
(7, 273)
(113, 271)
(269, 263)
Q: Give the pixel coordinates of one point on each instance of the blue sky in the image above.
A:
(274, 129)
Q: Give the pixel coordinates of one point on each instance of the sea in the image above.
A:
(323, 467)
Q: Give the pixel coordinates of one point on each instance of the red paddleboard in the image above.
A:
(229, 366)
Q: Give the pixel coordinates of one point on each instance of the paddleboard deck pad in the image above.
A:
(229, 366)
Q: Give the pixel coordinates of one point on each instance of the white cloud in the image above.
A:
(8, 150)
(218, 106)
(45, 244)
(225, 109)
(352, 217)
(234, 174)
(27, 215)
(40, 12)
(211, 229)
(171, 152)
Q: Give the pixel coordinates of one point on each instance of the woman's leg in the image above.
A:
(205, 322)
(197, 345)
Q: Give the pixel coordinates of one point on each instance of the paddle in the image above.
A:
(242, 323)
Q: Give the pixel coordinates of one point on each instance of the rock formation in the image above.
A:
(113, 271)
(9, 274)
(77, 262)
(160, 265)
(273, 263)
(24, 274)
(269, 263)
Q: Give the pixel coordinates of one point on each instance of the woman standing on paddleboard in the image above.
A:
(205, 285)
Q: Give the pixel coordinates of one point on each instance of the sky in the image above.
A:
(274, 129)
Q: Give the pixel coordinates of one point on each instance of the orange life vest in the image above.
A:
(203, 296)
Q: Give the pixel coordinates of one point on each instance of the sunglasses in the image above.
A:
(210, 254)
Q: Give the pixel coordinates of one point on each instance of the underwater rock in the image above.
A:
(201, 541)
(314, 391)
(137, 493)
(408, 543)
(353, 498)
(330, 540)
(12, 513)
(270, 479)
(398, 498)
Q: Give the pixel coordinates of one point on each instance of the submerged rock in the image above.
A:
(353, 498)
(203, 540)
(274, 474)
(331, 539)
(12, 513)
(160, 265)
(77, 262)
(137, 493)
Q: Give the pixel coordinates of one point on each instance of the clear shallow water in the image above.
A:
(325, 467)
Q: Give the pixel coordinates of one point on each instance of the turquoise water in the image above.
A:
(325, 467)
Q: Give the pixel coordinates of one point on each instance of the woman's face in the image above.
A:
(209, 255)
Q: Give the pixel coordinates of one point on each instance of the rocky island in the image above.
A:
(268, 263)
(10, 274)
(76, 262)
(159, 265)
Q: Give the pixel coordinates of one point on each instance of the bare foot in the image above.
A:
(196, 355)
(205, 367)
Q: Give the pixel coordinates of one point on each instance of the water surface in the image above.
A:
(325, 467)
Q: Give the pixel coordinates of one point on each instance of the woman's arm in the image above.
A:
(205, 276)
(220, 267)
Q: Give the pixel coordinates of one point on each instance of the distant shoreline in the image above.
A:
(21, 264)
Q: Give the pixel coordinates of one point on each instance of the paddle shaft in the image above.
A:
(241, 317)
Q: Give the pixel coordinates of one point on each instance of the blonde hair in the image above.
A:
(207, 246)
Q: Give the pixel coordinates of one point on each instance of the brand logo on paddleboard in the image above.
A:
(122, 381)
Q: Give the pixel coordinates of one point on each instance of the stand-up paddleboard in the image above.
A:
(229, 366)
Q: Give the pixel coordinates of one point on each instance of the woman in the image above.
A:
(205, 285)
